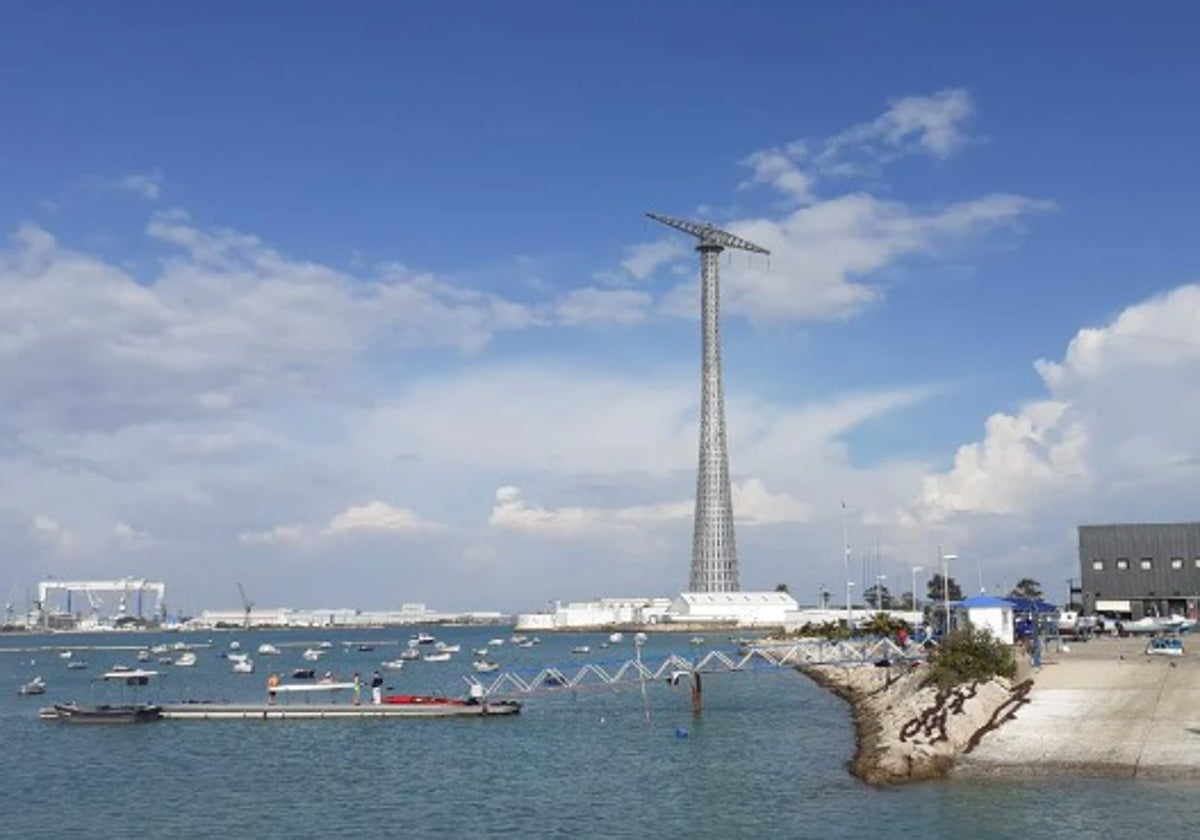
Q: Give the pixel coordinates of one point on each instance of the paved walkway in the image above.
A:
(1103, 707)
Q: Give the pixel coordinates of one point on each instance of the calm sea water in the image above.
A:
(766, 759)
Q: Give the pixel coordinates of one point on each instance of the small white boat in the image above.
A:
(495, 642)
(159, 650)
(484, 666)
(243, 666)
(424, 639)
(143, 656)
(267, 649)
(696, 640)
(639, 638)
(437, 657)
(66, 654)
(181, 646)
(186, 659)
(35, 686)
(445, 648)
(313, 654)
(393, 665)
(165, 660)
(235, 645)
(517, 639)
(581, 649)
(482, 652)
(325, 645)
(76, 664)
(238, 657)
(616, 638)
(525, 643)
(409, 654)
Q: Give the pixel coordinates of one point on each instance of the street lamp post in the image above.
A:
(915, 569)
(946, 558)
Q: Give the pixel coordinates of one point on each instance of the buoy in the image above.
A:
(680, 732)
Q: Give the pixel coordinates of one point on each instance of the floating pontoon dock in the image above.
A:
(326, 711)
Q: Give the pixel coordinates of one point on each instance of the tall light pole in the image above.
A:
(714, 552)
(946, 558)
(915, 569)
(846, 561)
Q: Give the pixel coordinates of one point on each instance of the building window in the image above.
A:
(1122, 563)
(1147, 564)
(1098, 565)
(1176, 562)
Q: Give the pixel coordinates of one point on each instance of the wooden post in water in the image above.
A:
(697, 694)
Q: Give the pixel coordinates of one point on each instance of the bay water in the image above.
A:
(767, 757)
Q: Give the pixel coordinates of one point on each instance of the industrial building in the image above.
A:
(1138, 570)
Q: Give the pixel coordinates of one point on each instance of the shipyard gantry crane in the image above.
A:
(714, 552)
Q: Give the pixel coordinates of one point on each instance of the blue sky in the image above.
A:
(358, 304)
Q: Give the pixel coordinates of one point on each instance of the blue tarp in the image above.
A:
(984, 601)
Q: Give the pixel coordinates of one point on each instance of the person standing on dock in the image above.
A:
(377, 688)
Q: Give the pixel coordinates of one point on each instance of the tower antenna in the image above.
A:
(714, 552)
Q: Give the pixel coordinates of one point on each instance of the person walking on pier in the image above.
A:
(377, 688)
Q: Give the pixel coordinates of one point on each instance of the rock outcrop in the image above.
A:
(908, 731)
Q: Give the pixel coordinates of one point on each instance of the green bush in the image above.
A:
(970, 655)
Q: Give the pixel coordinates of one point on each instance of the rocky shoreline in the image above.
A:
(907, 731)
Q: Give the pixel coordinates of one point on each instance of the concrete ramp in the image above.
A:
(1102, 708)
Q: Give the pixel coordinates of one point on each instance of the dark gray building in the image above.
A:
(1139, 570)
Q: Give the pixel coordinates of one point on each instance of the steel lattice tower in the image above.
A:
(714, 551)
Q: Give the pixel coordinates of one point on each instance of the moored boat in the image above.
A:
(75, 712)
(393, 665)
(35, 686)
(485, 666)
(437, 657)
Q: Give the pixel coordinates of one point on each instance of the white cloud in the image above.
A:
(823, 255)
(643, 259)
(609, 306)
(145, 185)
(825, 250)
(126, 535)
(148, 185)
(1116, 432)
(933, 125)
(279, 535)
(379, 516)
(753, 505)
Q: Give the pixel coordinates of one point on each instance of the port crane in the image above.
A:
(247, 606)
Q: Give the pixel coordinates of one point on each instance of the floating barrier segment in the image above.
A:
(675, 667)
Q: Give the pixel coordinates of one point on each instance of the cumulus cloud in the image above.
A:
(1118, 421)
(375, 517)
(379, 516)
